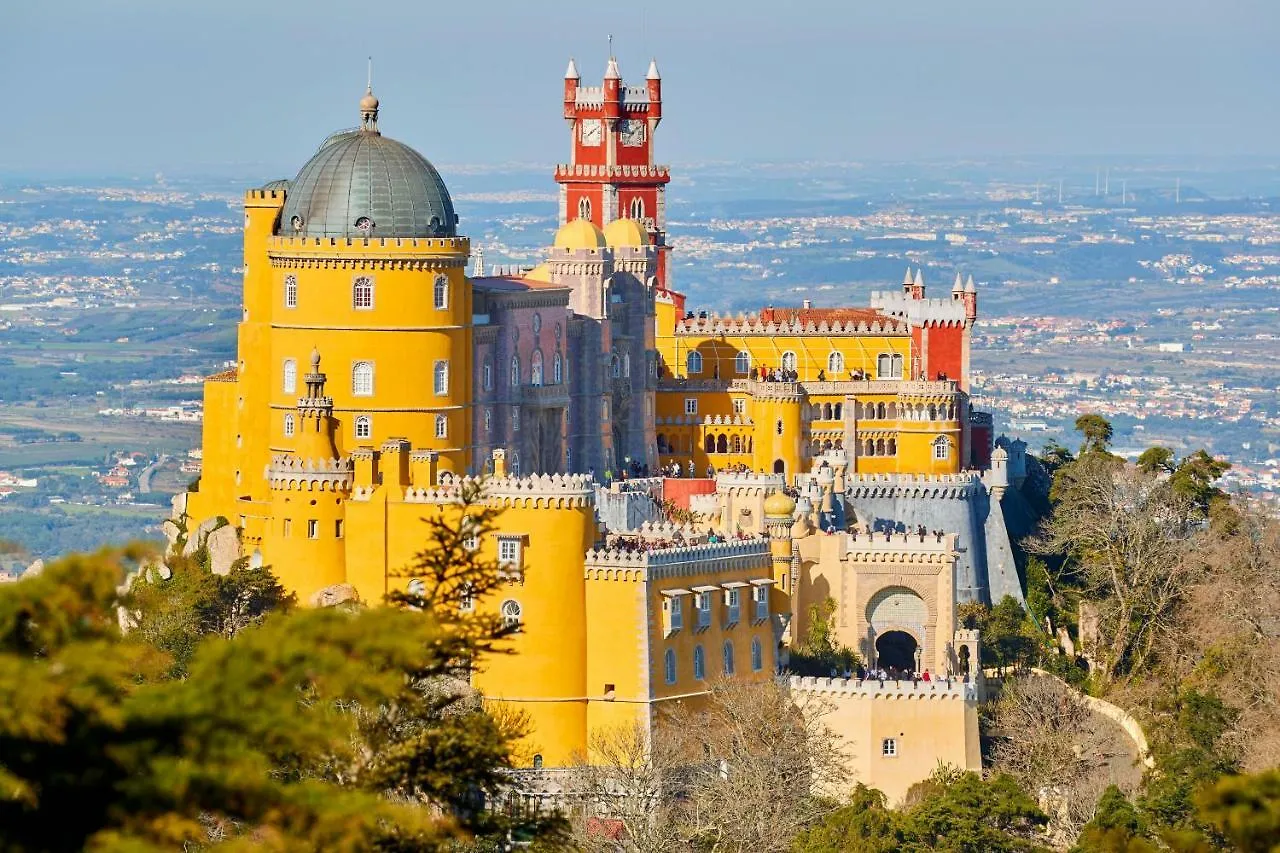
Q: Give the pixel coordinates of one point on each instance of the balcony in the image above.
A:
(545, 396)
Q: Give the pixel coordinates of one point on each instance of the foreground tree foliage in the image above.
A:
(951, 811)
(224, 719)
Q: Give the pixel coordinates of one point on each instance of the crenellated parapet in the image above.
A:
(920, 312)
(836, 689)
(748, 483)
(953, 486)
(904, 549)
(310, 475)
(547, 491)
(677, 561)
(714, 324)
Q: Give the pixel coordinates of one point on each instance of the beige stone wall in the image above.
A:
(927, 724)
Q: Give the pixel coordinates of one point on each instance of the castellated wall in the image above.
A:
(954, 503)
(894, 734)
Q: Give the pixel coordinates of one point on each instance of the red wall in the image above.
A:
(946, 345)
(678, 491)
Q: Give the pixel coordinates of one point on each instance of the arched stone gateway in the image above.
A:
(896, 650)
(897, 616)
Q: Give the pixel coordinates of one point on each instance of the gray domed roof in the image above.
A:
(363, 177)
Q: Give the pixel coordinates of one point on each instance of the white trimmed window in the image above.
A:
(703, 604)
(515, 370)
(488, 420)
(557, 369)
(509, 551)
(288, 426)
(693, 364)
(362, 293)
(691, 405)
(291, 291)
(669, 666)
(364, 427)
(728, 658)
(760, 597)
(637, 208)
(584, 208)
(535, 368)
(466, 598)
(487, 374)
(740, 405)
(442, 426)
(699, 663)
(440, 378)
(788, 360)
(362, 379)
(757, 655)
(677, 612)
(835, 364)
(511, 613)
(733, 605)
(942, 448)
(313, 528)
(440, 293)
(290, 382)
(888, 747)
(742, 363)
(515, 419)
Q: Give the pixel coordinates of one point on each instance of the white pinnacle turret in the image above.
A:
(571, 73)
(653, 70)
(919, 282)
(959, 285)
(969, 286)
(611, 72)
(906, 279)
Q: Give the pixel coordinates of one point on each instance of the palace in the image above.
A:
(822, 452)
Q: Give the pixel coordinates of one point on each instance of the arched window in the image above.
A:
(441, 378)
(728, 658)
(933, 411)
(838, 412)
(699, 663)
(897, 366)
(486, 373)
(879, 447)
(362, 379)
(835, 364)
(722, 444)
(694, 362)
(488, 420)
(362, 293)
(626, 364)
(710, 444)
(737, 444)
(778, 426)
(364, 426)
(881, 412)
(788, 360)
(615, 366)
(584, 208)
(290, 376)
(884, 366)
(826, 411)
(535, 368)
(291, 291)
(515, 465)
(669, 661)
(515, 370)
(742, 363)
(442, 426)
(892, 447)
(662, 443)
(637, 208)
(441, 293)
(870, 448)
(557, 369)
(942, 447)
(757, 655)
(817, 412)
(288, 426)
(511, 613)
(537, 761)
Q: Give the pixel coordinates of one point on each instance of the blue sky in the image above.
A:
(145, 85)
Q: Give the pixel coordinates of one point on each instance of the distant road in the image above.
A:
(144, 478)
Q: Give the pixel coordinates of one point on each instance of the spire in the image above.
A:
(571, 73)
(919, 280)
(906, 279)
(611, 71)
(959, 285)
(653, 70)
(369, 104)
(969, 286)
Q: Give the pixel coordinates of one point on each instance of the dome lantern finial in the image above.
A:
(369, 105)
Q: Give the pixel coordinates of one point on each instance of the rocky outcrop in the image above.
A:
(223, 547)
(332, 596)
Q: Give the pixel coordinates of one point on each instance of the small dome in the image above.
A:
(541, 272)
(778, 505)
(369, 103)
(579, 234)
(625, 232)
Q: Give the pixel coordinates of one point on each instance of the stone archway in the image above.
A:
(779, 467)
(896, 650)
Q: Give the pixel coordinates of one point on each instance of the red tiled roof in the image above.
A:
(513, 284)
(228, 375)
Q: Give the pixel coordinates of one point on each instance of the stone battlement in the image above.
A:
(549, 491)
(749, 483)
(959, 486)
(677, 561)
(289, 472)
(924, 312)
(716, 325)
(870, 688)
(860, 540)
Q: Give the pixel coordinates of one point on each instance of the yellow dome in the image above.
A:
(541, 272)
(579, 234)
(625, 232)
(779, 505)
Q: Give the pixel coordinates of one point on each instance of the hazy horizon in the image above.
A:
(145, 86)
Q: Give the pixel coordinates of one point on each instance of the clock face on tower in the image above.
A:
(592, 131)
(631, 132)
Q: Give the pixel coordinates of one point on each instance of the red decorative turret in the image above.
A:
(653, 82)
(570, 89)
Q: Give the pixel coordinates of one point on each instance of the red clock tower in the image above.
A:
(611, 174)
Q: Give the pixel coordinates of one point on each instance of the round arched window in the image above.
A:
(511, 613)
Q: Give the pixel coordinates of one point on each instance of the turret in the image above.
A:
(907, 281)
(970, 300)
(957, 289)
(653, 82)
(315, 416)
(571, 79)
(612, 90)
(917, 285)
